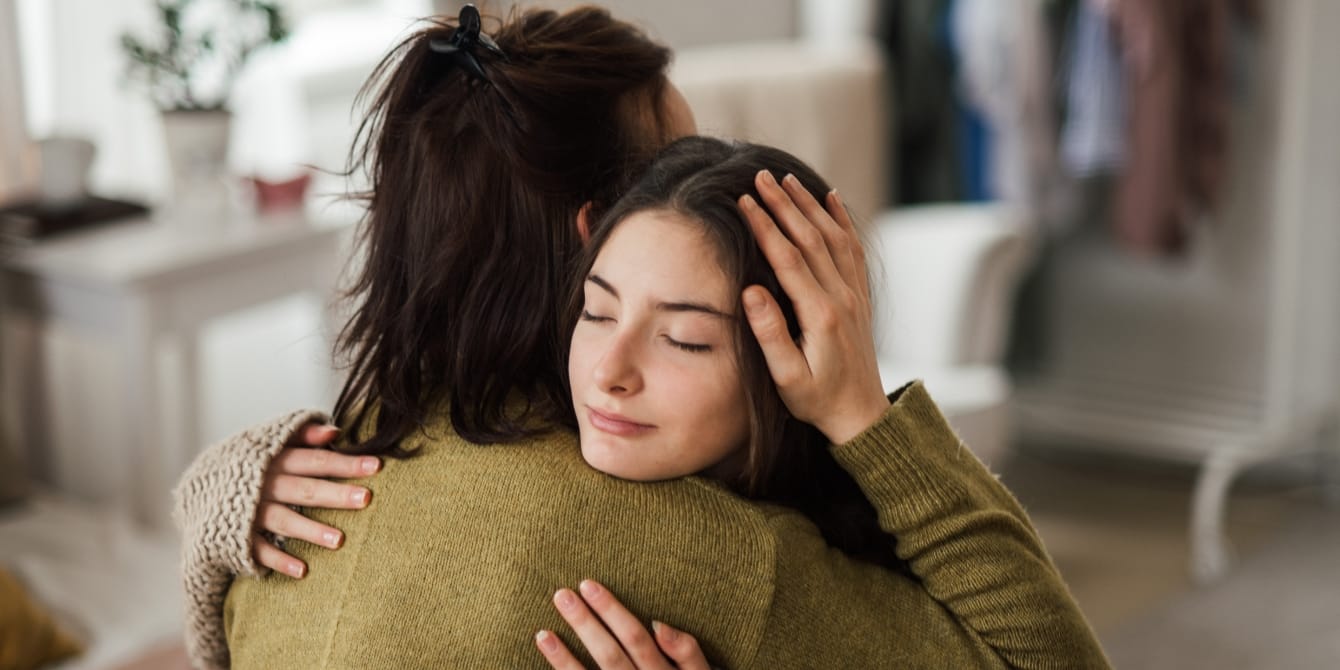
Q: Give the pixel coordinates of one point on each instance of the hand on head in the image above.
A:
(830, 377)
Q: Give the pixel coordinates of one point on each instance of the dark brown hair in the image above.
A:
(470, 228)
(787, 461)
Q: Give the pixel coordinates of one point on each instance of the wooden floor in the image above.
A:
(1117, 529)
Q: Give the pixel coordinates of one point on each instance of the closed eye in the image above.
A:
(587, 316)
(689, 346)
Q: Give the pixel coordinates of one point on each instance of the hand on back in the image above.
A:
(299, 477)
(615, 637)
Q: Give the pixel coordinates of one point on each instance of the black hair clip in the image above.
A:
(461, 45)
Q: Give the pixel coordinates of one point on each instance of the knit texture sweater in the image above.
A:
(453, 564)
(215, 504)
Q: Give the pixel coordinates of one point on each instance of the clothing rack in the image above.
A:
(1231, 356)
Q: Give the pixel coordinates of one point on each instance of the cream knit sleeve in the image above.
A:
(215, 506)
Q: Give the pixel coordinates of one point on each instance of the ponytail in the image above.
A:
(469, 233)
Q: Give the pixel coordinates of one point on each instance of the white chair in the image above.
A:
(943, 308)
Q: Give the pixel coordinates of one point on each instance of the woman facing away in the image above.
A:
(445, 567)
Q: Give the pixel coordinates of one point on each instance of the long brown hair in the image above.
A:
(787, 461)
(470, 225)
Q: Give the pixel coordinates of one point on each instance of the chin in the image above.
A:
(603, 456)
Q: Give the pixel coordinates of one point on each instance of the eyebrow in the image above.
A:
(682, 306)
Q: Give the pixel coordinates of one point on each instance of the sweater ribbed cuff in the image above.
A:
(908, 462)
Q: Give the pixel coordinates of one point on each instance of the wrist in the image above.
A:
(846, 427)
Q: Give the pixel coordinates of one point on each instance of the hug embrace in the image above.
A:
(612, 402)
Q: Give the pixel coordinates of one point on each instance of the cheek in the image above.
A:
(579, 358)
(737, 421)
(724, 406)
(736, 403)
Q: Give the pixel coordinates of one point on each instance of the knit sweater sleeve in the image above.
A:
(215, 506)
(967, 538)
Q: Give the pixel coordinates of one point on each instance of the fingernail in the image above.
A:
(332, 539)
(565, 599)
(753, 302)
(747, 202)
(791, 179)
(297, 569)
(589, 589)
(359, 497)
(837, 197)
(663, 631)
(370, 465)
(767, 176)
(546, 641)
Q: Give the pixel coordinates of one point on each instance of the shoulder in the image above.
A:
(548, 470)
(528, 517)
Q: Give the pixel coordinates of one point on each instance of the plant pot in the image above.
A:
(197, 146)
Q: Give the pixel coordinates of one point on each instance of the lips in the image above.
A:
(615, 424)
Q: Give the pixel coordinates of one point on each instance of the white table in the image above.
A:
(142, 284)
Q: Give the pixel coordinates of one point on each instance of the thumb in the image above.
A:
(785, 360)
(315, 435)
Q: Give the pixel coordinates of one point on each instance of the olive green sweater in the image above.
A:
(454, 562)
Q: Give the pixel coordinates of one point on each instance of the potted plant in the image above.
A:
(189, 66)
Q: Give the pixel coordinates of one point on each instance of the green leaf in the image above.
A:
(169, 68)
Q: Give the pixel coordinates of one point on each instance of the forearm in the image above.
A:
(215, 506)
(967, 538)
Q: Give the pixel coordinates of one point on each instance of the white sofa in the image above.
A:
(824, 104)
(943, 308)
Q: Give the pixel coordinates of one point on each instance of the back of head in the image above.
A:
(788, 461)
(469, 233)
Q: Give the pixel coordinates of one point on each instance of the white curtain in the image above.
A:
(73, 71)
(16, 161)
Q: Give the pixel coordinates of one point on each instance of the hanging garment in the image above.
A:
(1173, 52)
(1004, 76)
(922, 134)
(1093, 137)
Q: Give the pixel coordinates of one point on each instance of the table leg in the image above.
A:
(191, 440)
(26, 352)
(147, 477)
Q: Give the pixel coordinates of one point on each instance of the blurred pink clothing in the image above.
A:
(1174, 53)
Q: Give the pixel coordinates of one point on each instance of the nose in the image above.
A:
(618, 372)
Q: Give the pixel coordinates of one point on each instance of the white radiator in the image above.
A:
(1230, 356)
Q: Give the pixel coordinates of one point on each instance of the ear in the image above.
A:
(584, 223)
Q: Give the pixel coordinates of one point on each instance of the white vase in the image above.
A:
(197, 146)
